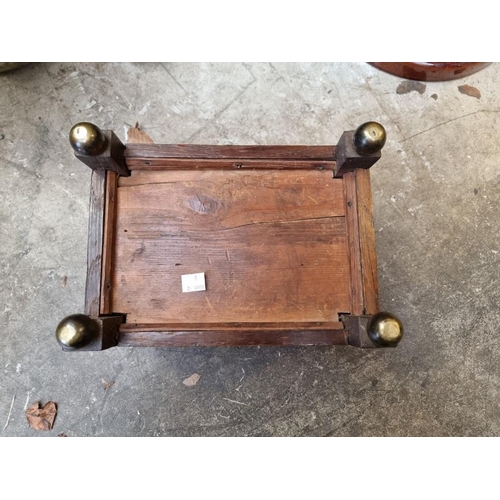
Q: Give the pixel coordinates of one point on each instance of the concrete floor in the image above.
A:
(436, 195)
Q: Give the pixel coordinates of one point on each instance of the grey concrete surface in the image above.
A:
(436, 195)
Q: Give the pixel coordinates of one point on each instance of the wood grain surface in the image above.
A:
(367, 242)
(108, 240)
(231, 327)
(353, 247)
(148, 151)
(215, 338)
(95, 242)
(231, 164)
(272, 245)
(361, 243)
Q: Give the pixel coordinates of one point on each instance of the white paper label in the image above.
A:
(193, 282)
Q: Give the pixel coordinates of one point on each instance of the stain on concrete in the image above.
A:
(410, 86)
(470, 91)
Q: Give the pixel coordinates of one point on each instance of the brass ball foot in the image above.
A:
(76, 331)
(369, 138)
(87, 139)
(385, 330)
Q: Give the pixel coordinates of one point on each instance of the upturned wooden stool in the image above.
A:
(194, 245)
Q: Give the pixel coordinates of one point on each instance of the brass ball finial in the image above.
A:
(87, 139)
(369, 138)
(385, 330)
(76, 331)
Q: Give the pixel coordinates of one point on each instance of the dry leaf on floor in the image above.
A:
(137, 136)
(107, 385)
(191, 380)
(41, 418)
(470, 91)
(409, 86)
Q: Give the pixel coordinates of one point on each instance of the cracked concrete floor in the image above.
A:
(436, 195)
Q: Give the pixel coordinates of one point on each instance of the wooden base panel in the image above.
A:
(283, 234)
(272, 246)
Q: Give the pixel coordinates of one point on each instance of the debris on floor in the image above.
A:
(137, 136)
(191, 380)
(107, 385)
(10, 412)
(470, 91)
(434, 96)
(42, 418)
(409, 86)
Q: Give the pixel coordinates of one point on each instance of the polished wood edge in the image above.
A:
(241, 337)
(226, 164)
(430, 71)
(95, 243)
(190, 151)
(108, 241)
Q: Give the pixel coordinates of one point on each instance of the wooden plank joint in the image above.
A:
(348, 159)
(357, 330)
(112, 158)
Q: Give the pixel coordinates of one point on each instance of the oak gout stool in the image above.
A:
(281, 236)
